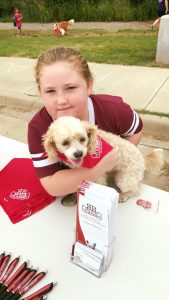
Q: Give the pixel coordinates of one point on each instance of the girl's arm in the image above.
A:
(67, 181)
(135, 138)
(20, 17)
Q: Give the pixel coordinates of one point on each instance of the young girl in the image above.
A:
(66, 84)
(17, 17)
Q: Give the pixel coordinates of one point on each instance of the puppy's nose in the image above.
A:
(78, 154)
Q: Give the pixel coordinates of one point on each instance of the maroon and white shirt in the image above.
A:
(109, 113)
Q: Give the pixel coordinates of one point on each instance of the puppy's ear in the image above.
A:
(92, 135)
(49, 145)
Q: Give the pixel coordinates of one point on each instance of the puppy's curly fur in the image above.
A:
(74, 138)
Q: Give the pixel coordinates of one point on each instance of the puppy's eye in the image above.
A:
(65, 143)
(82, 140)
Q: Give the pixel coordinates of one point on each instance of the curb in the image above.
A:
(154, 125)
(20, 101)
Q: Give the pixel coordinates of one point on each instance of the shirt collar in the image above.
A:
(91, 111)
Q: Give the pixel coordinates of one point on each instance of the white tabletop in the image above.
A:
(140, 267)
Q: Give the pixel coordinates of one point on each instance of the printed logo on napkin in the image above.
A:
(21, 194)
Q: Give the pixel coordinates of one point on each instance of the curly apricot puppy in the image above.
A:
(74, 138)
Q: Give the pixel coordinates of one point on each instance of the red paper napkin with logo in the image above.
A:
(21, 193)
(90, 160)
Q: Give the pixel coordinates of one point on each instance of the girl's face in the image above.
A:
(64, 91)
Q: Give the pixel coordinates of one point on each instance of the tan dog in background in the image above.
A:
(65, 25)
(74, 138)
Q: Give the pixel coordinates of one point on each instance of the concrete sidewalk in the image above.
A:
(142, 87)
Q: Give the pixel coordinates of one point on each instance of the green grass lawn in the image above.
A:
(127, 47)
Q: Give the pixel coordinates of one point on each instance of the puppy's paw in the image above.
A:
(123, 197)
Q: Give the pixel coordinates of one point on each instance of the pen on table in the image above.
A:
(30, 284)
(25, 280)
(41, 292)
(16, 287)
(2, 257)
(13, 277)
(41, 298)
(4, 263)
(8, 293)
(9, 270)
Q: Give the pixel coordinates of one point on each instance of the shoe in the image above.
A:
(152, 27)
(69, 200)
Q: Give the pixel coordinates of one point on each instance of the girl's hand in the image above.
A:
(55, 184)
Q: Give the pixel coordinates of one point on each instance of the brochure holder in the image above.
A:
(95, 227)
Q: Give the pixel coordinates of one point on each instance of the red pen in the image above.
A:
(30, 284)
(27, 278)
(16, 274)
(18, 280)
(41, 292)
(14, 294)
(4, 263)
(2, 257)
(9, 292)
(41, 298)
(13, 277)
(10, 269)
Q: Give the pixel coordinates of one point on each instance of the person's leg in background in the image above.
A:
(19, 31)
(157, 21)
(160, 13)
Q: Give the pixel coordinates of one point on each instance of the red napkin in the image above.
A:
(21, 193)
